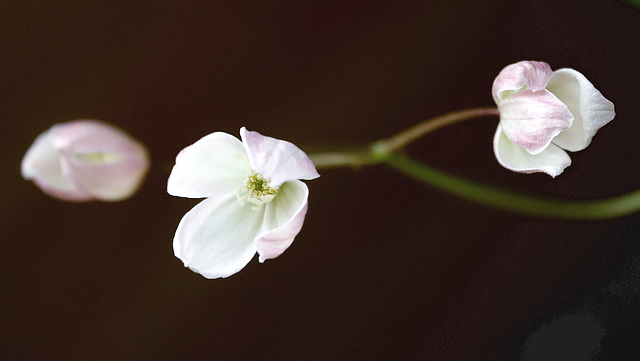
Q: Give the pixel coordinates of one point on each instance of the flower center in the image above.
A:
(97, 157)
(256, 190)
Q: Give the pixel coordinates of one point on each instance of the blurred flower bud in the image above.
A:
(86, 160)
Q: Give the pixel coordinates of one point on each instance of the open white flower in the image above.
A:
(85, 160)
(255, 201)
(542, 114)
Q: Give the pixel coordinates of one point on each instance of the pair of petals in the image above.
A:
(86, 160)
(218, 164)
(542, 114)
(219, 236)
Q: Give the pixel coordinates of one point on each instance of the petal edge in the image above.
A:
(589, 107)
(284, 220)
(533, 74)
(217, 237)
(276, 159)
(215, 164)
(552, 161)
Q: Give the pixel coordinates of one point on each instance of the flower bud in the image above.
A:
(85, 160)
(543, 114)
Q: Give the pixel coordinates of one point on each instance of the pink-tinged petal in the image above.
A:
(278, 160)
(217, 164)
(284, 217)
(41, 164)
(533, 74)
(100, 159)
(107, 182)
(553, 160)
(532, 120)
(217, 237)
(590, 109)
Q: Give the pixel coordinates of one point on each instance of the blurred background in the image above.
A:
(385, 268)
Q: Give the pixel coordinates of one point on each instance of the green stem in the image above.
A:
(354, 159)
(598, 209)
(383, 151)
(405, 137)
(369, 155)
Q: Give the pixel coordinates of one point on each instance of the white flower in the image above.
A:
(542, 114)
(254, 202)
(86, 160)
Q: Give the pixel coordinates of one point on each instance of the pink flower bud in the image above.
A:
(544, 114)
(86, 160)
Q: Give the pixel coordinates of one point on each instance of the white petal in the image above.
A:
(217, 237)
(532, 120)
(214, 165)
(283, 220)
(100, 159)
(553, 160)
(590, 109)
(533, 74)
(276, 159)
(41, 164)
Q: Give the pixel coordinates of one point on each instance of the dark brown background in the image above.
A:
(384, 268)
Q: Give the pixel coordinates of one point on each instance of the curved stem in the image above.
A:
(405, 137)
(383, 151)
(380, 148)
(598, 209)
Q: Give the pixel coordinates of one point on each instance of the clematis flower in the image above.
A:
(254, 200)
(86, 160)
(543, 114)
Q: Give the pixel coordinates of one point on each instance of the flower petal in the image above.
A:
(214, 165)
(533, 74)
(41, 164)
(532, 120)
(100, 159)
(278, 160)
(217, 237)
(590, 109)
(283, 220)
(553, 160)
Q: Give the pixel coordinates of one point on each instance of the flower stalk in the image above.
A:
(578, 210)
(375, 153)
(386, 152)
(405, 137)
